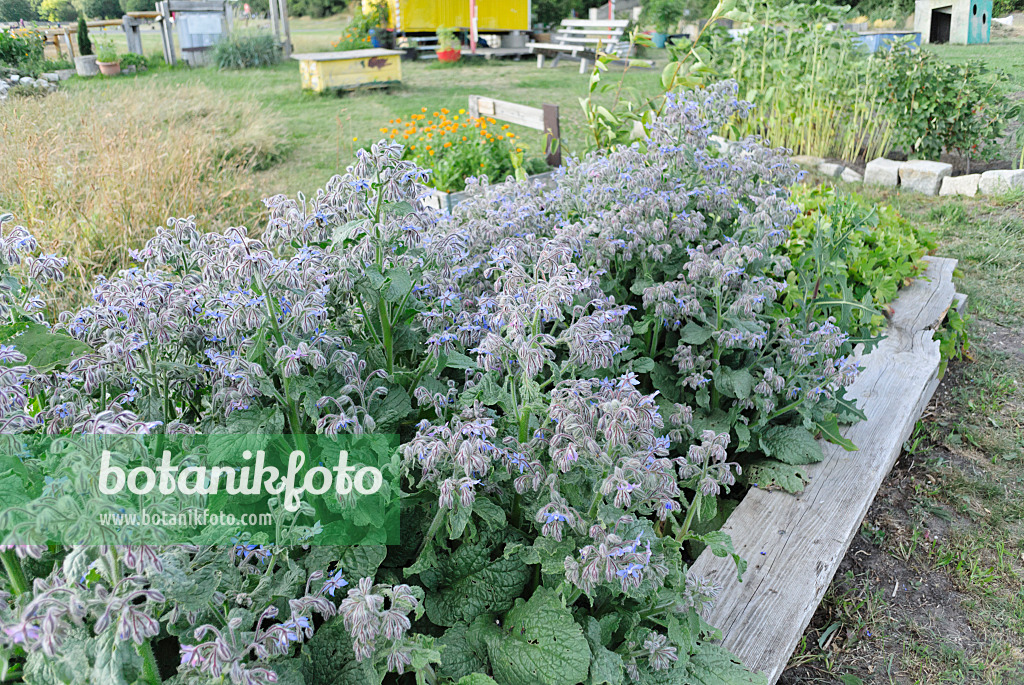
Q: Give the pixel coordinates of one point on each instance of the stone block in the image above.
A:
(924, 177)
(1001, 181)
(850, 176)
(882, 172)
(830, 169)
(960, 185)
(807, 161)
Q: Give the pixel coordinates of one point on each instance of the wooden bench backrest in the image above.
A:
(540, 119)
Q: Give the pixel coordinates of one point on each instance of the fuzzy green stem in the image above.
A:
(150, 671)
(681, 535)
(15, 574)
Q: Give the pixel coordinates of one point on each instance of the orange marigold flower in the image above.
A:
(423, 109)
(448, 144)
(462, 111)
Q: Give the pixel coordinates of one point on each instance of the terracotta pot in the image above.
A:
(449, 55)
(109, 68)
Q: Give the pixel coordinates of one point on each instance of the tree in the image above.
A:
(138, 5)
(16, 10)
(84, 44)
(550, 12)
(102, 9)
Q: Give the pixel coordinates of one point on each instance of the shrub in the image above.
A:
(102, 9)
(939, 107)
(138, 5)
(548, 13)
(358, 33)
(246, 50)
(455, 148)
(16, 10)
(84, 44)
(130, 59)
(16, 49)
(818, 92)
(574, 375)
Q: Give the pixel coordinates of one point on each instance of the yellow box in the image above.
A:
(350, 69)
(426, 16)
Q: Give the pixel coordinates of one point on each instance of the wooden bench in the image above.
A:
(583, 39)
(538, 118)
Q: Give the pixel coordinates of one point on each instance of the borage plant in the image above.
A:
(577, 376)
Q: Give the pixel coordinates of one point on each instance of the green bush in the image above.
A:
(16, 50)
(16, 10)
(940, 107)
(550, 12)
(84, 44)
(1000, 8)
(246, 50)
(102, 9)
(138, 5)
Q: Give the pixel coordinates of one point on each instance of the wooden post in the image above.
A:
(67, 43)
(273, 21)
(166, 35)
(286, 44)
(553, 134)
(134, 36)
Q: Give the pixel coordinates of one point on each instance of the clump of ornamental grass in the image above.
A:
(92, 179)
(246, 50)
(577, 377)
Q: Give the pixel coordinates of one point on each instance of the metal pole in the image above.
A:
(611, 10)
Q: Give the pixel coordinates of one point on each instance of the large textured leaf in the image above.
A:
(606, 667)
(44, 349)
(477, 679)
(768, 474)
(539, 643)
(328, 659)
(791, 444)
(468, 583)
(458, 657)
(715, 665)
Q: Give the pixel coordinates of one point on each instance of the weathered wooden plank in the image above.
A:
(531, 117)
(794, 543)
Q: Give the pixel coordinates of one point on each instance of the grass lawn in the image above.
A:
(319, 130)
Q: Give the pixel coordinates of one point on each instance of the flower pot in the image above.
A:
(109, 68)
(85, 65)
(449, 55)
(659, 39)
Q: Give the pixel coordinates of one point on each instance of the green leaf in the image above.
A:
(695, 334)
(538, 643)
(714, 665)
(830, 431)
(457, 360)
(44, 349)
(720, 545)
(328, 659)
(606, 667)
(399, 284)
(791, 444)
(459, 658)
(769, 473)
(477, 679)
(468, 583)
(642, 365)
(734, 383)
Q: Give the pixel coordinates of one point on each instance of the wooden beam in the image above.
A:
(553, 134)
(794, 544)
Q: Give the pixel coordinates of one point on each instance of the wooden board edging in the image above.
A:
(793, 544)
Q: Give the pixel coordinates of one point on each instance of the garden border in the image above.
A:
(794, 544)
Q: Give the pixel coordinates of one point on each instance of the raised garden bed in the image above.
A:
(794, 543)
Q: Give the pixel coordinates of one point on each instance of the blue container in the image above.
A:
(873, 42)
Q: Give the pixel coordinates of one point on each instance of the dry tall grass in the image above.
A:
(94, 177)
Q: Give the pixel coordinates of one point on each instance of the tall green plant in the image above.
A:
(817, 91)
(84, 44)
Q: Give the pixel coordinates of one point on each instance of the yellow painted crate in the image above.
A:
(350, 69)
(419, 16)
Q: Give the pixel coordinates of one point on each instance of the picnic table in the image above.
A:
(583, 39)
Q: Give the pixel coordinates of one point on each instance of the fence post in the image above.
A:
(553, 144)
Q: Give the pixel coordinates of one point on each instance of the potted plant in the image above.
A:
(664, 15)
(107, 60)
(449, 47)
(85, 61)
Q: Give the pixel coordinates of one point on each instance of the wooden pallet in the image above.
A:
(794, 544)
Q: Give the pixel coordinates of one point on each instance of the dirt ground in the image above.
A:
(931, 590)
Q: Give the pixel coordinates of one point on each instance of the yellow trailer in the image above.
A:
(350, 69)
(426, 16)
